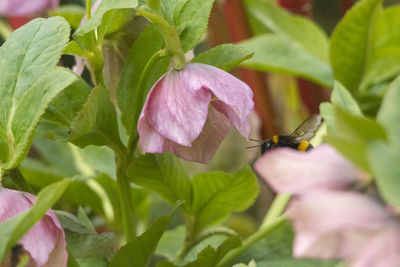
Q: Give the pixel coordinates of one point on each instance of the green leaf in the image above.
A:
(135, 84)
(275, 244)
(171, 242)
(139, 251)
(342, 98)
(110, 16)
(72, 13)
(29, 82)
(162, 174)
(275, 53)
(191, 19)
(297, 31)
(384, 161)
(67, 104)
(384, 59)
(389, 113)
(16, 227)
(226, 56)
(209, 257)
(73, 48)
(82, 239)
(96, 123)
(351, 43)
(217, 194)
(354, 135)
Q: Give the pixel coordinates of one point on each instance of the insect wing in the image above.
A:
(307, 129)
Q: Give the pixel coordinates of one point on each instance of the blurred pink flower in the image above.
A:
(25, 7)
(190, 111)
(45, 241)
(330, 222)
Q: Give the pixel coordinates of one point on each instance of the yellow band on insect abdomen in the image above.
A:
(275, 139)
(303, 145)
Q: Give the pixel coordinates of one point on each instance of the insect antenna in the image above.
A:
(247, 147)
(255, 140)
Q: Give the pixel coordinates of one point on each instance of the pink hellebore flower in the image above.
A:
(190, 111)
(25, 7)
(329, 221)
(45, 241)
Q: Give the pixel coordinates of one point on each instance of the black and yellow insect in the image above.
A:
(296, 140)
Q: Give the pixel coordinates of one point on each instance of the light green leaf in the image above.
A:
(73, 48)
(389, 113)
(354, 135)
(275, 53)
(135, 84)
(342, 98)
(171, 242)
(226, 56)
(384, 60)
(384, 161)
(139, 251)
(191, 19)
(299, 31)
(162, 174)
(29, 82)
(72, 13)
(217, 194)
(96, 123)
(109, 17)
(15, 228)
(351, 43)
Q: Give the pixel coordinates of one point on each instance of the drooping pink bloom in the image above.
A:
(45, 241)
(25, 7)
(190, 111)
(330, 220)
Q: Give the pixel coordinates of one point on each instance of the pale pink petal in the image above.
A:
(25, 7)
(235, 97)
(290, 171)
(150, 140)
(382, 249)
(79, 66)
(324, 221)
(177, 107)
(40, 241)
(204, 147)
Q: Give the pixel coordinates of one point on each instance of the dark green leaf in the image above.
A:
(275, 53)
(162, 174)
(226, 56)
(96, 123)
(217, 194)
(351, 43)
(139, 251)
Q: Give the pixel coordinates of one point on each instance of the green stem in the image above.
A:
(128, 215)
(189, 239)
(5, 30)
(170, 36)
(88, 9)
(276, 209)
(260, 234)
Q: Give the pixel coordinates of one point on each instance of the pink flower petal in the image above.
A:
(235, 97)
(150, 140)
(44, 237)
(334, 224)
(25, 7)
(204, 147)
(177, 107)
(290, 171)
